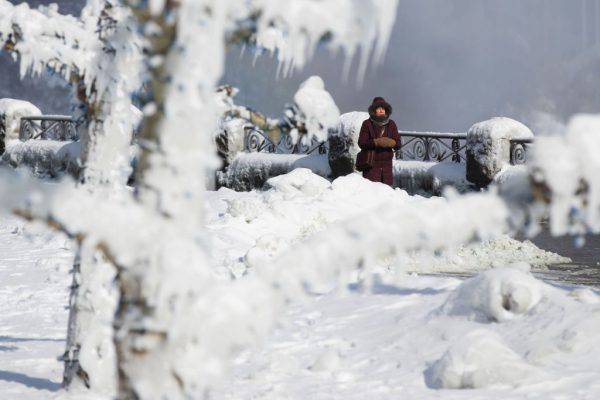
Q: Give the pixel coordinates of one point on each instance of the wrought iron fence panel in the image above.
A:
(256, 141)
(432, 146)
(48, 127)
(518, 151)
(417, 146)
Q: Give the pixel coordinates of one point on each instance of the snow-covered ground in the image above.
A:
(252, 227)
(34, 271)
(393, 334)
(426, 338)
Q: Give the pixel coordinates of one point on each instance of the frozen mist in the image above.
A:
(449, 64)
(452, 63)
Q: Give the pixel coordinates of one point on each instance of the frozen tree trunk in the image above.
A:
(168, 329)
(161, 289)
(81, 305)
(90, 356)
(90, 359)
(134, 339)
(71, 356)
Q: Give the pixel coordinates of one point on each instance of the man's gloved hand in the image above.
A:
(385, 142)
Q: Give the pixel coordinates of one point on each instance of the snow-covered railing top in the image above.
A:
(449, 146)
(53, 127)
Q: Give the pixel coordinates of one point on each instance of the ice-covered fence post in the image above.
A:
(488, 147)
(343, 143)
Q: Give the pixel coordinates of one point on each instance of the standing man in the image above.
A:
(379, 134)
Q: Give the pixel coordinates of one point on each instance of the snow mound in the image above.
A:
(265, 249)
(299, 180)
(248, 208)
(501, 128)
(317, 107)
(355, 186)
(11, 110)
(481, 359)
(495, 295)
(495, 253)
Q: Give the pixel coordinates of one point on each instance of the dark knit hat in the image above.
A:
(380, 102)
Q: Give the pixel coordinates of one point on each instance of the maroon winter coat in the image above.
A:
(382, 165)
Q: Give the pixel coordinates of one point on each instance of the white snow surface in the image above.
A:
(379, 337)
(296, 206)
(501, 128)
(34, 270)
(12, 110)
(390, 341)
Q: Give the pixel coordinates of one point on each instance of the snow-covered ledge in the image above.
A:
(250, 171)
(489, 147)
(45, 158)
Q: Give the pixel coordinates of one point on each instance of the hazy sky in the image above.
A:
(450, 63)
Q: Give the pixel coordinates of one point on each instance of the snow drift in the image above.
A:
(495, 295)
(481, 359)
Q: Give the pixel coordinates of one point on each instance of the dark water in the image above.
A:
(588, 254)
(585, 267)
(583, 270)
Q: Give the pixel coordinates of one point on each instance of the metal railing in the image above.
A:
(438, 147)
(256, 141)
(417, 146)
(432, 146)
(519, 150)
(48, 127)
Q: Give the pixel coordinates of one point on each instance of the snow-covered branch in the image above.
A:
(45, 38)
